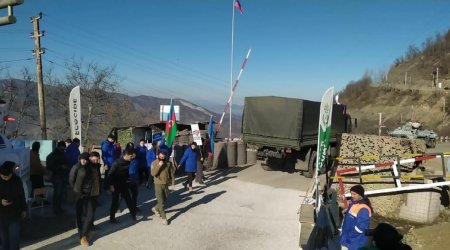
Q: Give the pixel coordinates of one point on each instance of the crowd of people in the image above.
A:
(122, 174)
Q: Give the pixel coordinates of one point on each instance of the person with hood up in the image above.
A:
(356, 220)
(12, 208)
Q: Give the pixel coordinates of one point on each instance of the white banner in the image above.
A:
(75, 113)
(196, 134)
(164, 112)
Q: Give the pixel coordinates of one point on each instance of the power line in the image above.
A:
(17, 60)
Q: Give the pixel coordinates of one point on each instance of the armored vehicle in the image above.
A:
(414, 130)
(285, 131)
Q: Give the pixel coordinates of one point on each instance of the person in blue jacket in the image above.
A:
(108, 156)
(73, 152)
(141, 158)
(189, 161)
(150, 157)
(356, 220)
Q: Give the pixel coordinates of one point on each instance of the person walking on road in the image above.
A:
(108, 156)
(58, 164)
(86, 188)
(190, 159)
(161, 172)
(12, 208)
(356, 220)
(118, 181)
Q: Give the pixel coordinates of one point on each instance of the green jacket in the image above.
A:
(161, 174)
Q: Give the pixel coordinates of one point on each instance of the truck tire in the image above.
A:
(311, 159)
(272, 164)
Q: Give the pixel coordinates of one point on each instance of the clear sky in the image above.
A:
(181, 48)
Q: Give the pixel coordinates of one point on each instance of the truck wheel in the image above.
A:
(311, 159)
(271, 164)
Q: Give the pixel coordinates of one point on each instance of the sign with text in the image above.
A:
(196, 134)
(164, 112)
(157, 136)
(75, 113)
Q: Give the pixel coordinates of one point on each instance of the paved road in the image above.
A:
(240, 208)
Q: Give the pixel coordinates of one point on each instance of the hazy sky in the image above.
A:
(181, 48)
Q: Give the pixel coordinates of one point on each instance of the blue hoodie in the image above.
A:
(141, 156)
(72, 154)
(108, 153)
(190, 158)
(151, 156)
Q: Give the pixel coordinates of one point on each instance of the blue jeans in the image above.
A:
(10, 235)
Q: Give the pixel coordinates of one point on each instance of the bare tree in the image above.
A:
(26, 101)
(97, 85)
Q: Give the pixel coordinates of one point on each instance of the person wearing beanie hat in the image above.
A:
(356, 220)
(12, 206)
(86, 187)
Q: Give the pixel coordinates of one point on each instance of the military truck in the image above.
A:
(414, 130)
(285, 131)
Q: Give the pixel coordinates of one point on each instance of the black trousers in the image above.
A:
(85, 215)
(124, 192)
(59, 188)
(10, 235)
(190, 177)
(134, 193)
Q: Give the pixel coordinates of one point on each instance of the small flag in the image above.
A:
(171, 126)
(211, 134)
(238, 6)
(8, 118)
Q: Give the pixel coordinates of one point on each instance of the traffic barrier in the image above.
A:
(232, 153)
(241, 153)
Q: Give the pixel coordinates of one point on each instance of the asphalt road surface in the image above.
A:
(239, 208)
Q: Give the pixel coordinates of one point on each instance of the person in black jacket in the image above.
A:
(86, 188)
(118, 180)
(58, 164)
(12, 207)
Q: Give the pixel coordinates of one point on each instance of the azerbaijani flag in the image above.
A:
(238, 6)
(211, 134)
(171, 126)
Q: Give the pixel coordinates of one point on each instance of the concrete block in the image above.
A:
(421, 207)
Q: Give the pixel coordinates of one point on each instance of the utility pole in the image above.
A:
(380, 123)
(37, 52)
(437, 75)
(406, 77)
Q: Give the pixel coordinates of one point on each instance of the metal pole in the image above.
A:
(37, 51)
(231, 61)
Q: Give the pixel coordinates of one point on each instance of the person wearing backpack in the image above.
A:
(87, 188)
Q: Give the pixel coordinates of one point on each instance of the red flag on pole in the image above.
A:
(238, 6)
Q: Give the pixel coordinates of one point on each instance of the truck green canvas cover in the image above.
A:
(286, 122)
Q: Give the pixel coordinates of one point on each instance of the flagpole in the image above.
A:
(231, 60)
